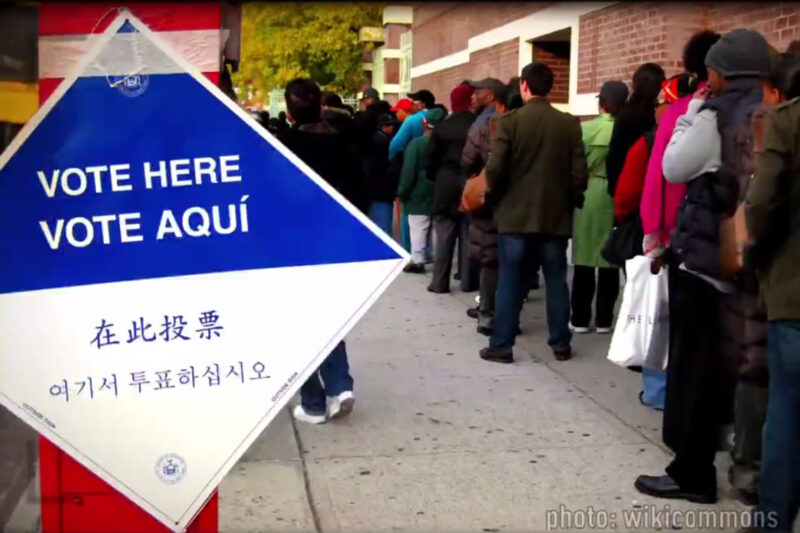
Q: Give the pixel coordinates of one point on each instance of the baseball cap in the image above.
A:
(386, 119)
(435, 116)
(424, 96)
(614, 91)
(405, 104)
(493, 84)
(372, 93)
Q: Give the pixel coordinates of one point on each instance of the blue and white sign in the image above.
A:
(170, 274)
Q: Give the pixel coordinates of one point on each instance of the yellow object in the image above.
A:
(18, 101)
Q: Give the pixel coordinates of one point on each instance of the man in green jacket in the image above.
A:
(536, 176)
(773, 224)
(416, 191)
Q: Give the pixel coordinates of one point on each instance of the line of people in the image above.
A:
(685, 165)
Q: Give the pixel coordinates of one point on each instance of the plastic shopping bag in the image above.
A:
(641, 336)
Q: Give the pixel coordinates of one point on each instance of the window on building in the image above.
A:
(553, 50)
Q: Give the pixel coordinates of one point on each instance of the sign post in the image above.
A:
(170, 274)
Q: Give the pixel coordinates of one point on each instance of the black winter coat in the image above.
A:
(331, 156)
(633, 121)
(444, 161)
(715, 195)
(381, 178)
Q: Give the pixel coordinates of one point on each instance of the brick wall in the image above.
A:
(500, 61)
(441, 29)
(779, 22)
(615, 40)
(393, 32)
(391, 70)
(556, 56)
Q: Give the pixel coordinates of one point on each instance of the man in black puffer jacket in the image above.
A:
(711, 149)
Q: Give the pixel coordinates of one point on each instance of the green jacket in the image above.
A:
(773, 213)
(595, 220)
(415, 189)
(537, 170)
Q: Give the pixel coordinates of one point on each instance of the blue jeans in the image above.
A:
(517, 253)
(381, 214)
(779, 490)
(335, 374)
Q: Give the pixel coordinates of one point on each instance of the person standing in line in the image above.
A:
(416, 192)
(536, 176)
(659, 214)
(384, 192)
(748, 327)
(701, 372)
(421, 102)
(594, 221)
(633, 120)
(444, 167)
(381, 184)
(482, 228)
(773, 223)
(483, 106)
(331, 156)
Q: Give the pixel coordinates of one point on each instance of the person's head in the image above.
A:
(740, 53)
(331, 100)
(403, 108)
(485, 92)
(794, 48)
(433, 117)
(647, 83)
(387, 123)
(461, 98)
(783, 81)
(263, 118)
(501, 99)
(694, 53)
(422, 99)
(514, 98)
(282, 116)
(371, 96)
(442, 107)
(613, 95)
(536, 80)
(303, 101)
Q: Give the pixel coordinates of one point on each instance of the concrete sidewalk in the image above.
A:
(443, 441)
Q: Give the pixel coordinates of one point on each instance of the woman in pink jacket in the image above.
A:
(659, 213)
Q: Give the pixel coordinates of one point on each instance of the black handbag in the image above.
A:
(624, 242)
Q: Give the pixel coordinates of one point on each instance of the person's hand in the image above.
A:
(702, 94)
(656, 265)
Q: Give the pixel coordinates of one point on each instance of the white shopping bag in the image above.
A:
(641, 337)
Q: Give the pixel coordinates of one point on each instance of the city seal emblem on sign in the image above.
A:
(132, 85)
(171, 468)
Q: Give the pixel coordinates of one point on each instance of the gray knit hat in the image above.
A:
(740, 52)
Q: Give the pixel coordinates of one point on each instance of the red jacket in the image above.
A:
(631, 180)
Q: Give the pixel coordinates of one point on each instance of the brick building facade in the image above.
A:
(585, 43)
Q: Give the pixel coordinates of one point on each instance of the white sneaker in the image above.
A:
(301, 416)
(579, 330)
(342, 405)
(604, 331)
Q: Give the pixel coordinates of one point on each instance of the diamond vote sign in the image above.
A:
(170, 274)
